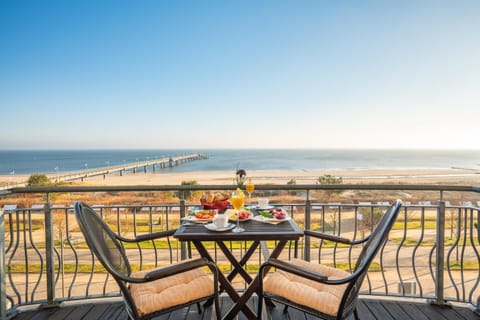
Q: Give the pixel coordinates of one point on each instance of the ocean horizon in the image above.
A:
(14, 162)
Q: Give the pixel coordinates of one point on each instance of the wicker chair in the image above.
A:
(323, 291)
(148, 294)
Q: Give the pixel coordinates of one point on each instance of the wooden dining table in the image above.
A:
(255, 235)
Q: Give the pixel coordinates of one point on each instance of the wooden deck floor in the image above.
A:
(367, 309)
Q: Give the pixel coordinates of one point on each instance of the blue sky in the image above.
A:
(239, 74)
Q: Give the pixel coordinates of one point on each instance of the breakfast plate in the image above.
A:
(261, 218)
(213, 227)
(196, 220)
(232, 214)
(276, 215)
(200, 216)
(264, 208)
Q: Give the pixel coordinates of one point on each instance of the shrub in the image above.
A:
(329, 179)
(38, 179)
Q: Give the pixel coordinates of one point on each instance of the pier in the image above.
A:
(139, 166)
(167, 162)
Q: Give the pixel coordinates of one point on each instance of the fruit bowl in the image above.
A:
(219, 205)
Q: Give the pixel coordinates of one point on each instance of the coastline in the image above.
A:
(427, 176)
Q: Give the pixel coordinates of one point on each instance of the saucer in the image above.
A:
(265, 208)
(213, 227)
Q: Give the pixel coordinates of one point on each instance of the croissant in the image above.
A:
(221, 196)
(226, 196)
(207, 197)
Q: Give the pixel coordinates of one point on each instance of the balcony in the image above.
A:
(432, 255)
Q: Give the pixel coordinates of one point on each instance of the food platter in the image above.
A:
(232, 214)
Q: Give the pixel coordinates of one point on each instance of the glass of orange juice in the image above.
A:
(250, 187)
(238, 199)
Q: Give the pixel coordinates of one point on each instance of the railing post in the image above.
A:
(477, 308)
(183, 244)
(440, 256)
(50, 266)
(306, 247)
(3, 274)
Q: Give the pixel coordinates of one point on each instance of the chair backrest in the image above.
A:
(102, 241)
(376, 240)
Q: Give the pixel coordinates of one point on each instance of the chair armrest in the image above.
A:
(325, 236)
(321, 235)
(148, 236)
(299, 271)
(175, 269)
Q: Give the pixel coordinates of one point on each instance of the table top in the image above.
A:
(254, 230)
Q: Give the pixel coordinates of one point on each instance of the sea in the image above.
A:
(13, 162)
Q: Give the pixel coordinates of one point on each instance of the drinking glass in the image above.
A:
(238, 199)
(250, 187)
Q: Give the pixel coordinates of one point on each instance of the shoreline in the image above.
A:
(436, 176)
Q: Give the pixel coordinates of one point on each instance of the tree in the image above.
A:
(329, 179)
(292, 182)
(368, 218)
(38, 179)
(188, 194)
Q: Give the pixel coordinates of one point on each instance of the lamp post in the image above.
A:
(107, 163)
(12, 173)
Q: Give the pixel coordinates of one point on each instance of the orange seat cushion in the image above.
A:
(316, 295)
(170, 291)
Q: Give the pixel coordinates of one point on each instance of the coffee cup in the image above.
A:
(220, 220)
(262, 203)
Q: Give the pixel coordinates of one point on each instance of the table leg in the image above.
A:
(227, 285)
(253, 286)
(238, 265)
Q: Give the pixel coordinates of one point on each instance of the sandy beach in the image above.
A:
(409, 176)
(430, 176)
(301, 177)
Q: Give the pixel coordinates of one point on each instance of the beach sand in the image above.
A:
(410, 176)
(451, 176)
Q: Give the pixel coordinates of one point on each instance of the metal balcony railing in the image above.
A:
(432, 252)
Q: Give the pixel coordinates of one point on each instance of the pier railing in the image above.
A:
(432, 252)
